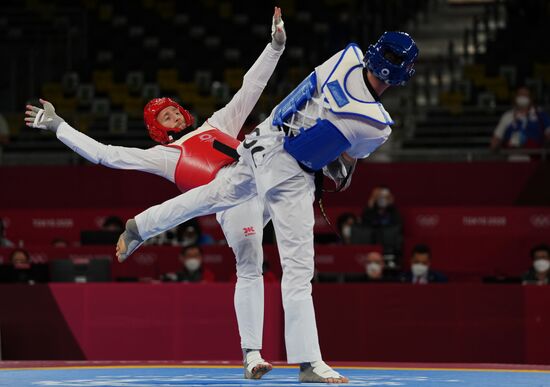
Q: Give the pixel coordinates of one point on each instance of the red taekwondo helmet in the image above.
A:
(158, 132)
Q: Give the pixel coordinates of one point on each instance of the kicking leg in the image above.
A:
(232, 186)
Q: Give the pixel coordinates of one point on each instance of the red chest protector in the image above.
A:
(199, 162)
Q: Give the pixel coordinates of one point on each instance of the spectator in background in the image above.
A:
(20, 259)
(525, 126)
(192, 267)
(420, 272)
(345, 223)
(381, 218)
(375, 270)
(22, 271)
(186, 234)
(113, 223)
(539, 274)
(190, 233)
(374, 267)
(4, 242)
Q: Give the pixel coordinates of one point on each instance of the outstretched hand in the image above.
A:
(43, 118)
(278, 33)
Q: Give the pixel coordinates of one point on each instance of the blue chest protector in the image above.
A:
(317, 146)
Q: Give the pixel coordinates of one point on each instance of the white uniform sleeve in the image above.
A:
(231, 118)
(363, 149)
(505, 121)
(159, 160)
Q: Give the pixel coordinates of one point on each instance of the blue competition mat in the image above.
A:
(171, 376)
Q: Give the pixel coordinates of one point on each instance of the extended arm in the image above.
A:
(231, 118)
(156, 160)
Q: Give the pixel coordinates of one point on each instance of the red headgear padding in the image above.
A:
(158, 132)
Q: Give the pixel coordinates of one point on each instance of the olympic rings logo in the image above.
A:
(427, 220)
(206, 137)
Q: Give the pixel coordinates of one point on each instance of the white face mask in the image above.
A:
(192, 264)
(346, 231)
(374, 269)
(382, 202)
(523, 101)
(419, 269)
(541, 265)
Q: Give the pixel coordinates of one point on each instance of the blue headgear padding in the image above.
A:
(322, 144)
(400, 44)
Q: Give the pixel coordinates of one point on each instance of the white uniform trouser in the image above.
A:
(290, 205)
(243, 229)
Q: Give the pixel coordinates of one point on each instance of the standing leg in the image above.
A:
(291, 206)
(243, 229)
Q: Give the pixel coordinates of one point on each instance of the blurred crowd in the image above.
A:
(380, 225)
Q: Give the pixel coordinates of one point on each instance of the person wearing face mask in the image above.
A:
(192, 268)
(420, 271)
(525, 126)
(374, 267)
(345, 223)
(375, 270)
(382, 218)
(539, 274)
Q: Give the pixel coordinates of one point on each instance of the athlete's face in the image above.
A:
(171, 117)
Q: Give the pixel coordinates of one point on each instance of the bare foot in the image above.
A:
(254, 366)
(260, 370)
(320, 372)
(341, 379)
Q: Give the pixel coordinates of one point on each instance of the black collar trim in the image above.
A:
(371, 89)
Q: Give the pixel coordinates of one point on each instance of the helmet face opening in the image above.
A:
(392, 58)
(157, 131)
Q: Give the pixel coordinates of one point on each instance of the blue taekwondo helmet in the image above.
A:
(392, 58)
